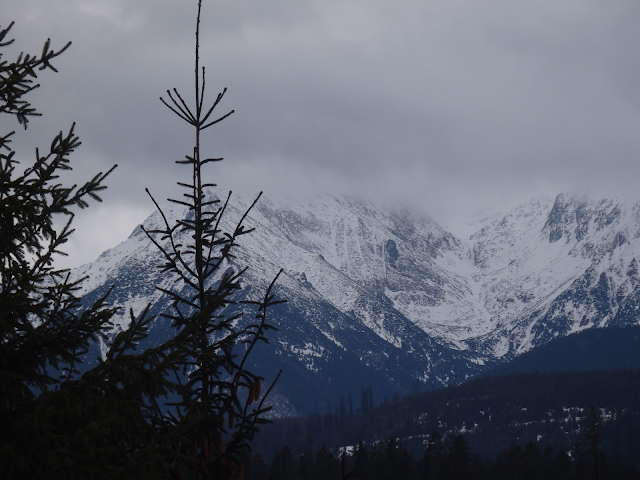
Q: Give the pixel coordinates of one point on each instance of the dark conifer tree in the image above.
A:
(326, 465)
(433, 461)
(460, 458)
(54, 421)
(589, 449)
(111, 421)
(362, 461)
(282, 466)
(305, 468)
(222, 402)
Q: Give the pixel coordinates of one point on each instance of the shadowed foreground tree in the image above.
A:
(222, 402)
(61, 420)
(54, 421)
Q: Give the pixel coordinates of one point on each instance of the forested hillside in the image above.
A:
(589, 350)
(444, 458)
(491, 412)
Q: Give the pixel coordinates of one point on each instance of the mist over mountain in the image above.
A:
(389, 299)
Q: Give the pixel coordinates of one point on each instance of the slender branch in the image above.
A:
(215, 104)
(184, 105)
(173, 245)
(218, 120)
(202, 95)
(231, 242)
(263, 320)
(266, 394)
(186, 119)
(198, 102)
(219, 215)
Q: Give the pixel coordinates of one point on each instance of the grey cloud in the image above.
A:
(442, 104)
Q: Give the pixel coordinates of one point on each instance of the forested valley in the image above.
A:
(561, 424)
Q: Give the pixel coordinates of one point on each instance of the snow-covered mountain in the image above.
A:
(389, 299)
(551, 268)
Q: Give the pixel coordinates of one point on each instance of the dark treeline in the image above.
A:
(492, 412)
(443, 458)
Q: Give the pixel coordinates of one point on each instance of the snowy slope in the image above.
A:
(554, 267)
(390, 299)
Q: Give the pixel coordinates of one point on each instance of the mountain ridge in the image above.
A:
(388, 297)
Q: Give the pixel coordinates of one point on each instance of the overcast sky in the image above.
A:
(447, 105)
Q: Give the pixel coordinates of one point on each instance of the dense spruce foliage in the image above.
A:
(55, 422)
(187, 407)
(492, 412)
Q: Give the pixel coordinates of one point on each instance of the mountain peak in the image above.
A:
(388, 297)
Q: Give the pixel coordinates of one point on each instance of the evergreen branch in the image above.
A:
(201, 102)
(179, 298)
(226, 250)
(263, 319)
(219, 215)
(217, 121)
(266, 395)
(209, 160)
(173, 244)
(183, 117)
(180, 202)
(184, 108)
(215, 104)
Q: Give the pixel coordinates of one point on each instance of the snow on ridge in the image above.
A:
(509, 268)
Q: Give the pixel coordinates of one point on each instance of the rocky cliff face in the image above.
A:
(390, 299)
(554, 268)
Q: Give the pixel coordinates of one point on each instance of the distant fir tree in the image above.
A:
(589, 450)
